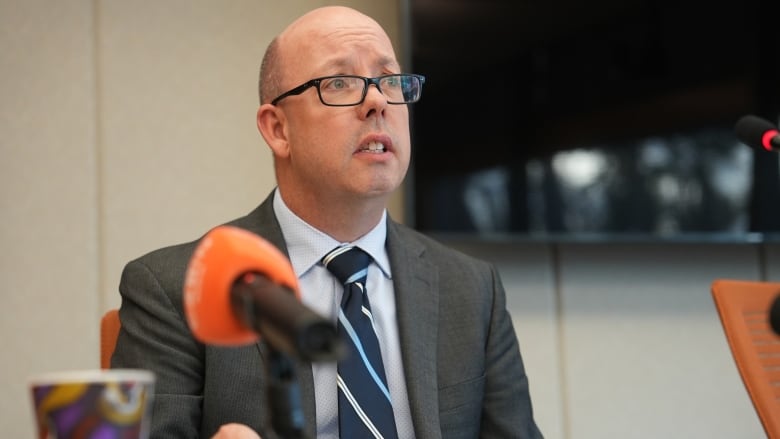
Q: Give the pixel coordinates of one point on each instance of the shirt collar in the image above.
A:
(306, 245)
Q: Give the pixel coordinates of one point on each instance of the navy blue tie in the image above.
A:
(365, 409)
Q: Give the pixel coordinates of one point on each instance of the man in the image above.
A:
(341, 146)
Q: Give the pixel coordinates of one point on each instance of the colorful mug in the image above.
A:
(93, 404)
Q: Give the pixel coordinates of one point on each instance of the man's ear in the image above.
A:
(272, 124)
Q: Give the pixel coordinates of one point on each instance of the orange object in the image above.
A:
(109, 331)
(221, 257)
(743, 307)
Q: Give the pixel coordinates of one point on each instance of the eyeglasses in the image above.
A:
(348, 90)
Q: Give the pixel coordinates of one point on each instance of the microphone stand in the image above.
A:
(288, 329)
(284, 396)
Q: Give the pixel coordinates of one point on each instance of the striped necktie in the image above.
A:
(365, 409)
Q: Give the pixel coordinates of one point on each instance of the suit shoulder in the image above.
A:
(177, 255)
(165, 261)
(435, 249)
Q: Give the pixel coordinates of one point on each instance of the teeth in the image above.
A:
(374, 147)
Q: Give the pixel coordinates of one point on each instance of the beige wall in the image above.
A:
(126, 126)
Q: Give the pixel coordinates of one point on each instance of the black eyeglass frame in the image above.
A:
(366, 81)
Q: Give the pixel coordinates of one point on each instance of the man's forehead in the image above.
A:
(347, 62)
(335, 56)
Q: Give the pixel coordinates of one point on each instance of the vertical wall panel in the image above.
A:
(48, 276)
(645, 355)
(181, 152)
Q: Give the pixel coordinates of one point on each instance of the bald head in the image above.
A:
(292, 53)
(327, 19)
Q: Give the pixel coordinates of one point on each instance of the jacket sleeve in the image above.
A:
(507, 409)
(155, 336)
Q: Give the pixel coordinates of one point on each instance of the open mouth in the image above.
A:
(373, 147)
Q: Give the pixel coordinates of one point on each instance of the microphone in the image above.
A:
(757, 133)
(239, 287)
(774, 314)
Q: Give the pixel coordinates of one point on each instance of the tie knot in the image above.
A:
(348, 263)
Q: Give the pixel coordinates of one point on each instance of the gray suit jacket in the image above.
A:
(464, 373)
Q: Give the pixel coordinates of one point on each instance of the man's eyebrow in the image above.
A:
(389, 62)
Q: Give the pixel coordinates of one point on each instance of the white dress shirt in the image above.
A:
(322, 292)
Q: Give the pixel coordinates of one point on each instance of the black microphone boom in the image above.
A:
(288, 325)
(758, 133)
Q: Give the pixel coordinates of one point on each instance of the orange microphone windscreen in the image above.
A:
(221, 257)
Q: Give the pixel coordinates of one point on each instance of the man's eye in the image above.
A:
(337, 84)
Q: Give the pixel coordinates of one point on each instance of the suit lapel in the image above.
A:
(417, 303)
